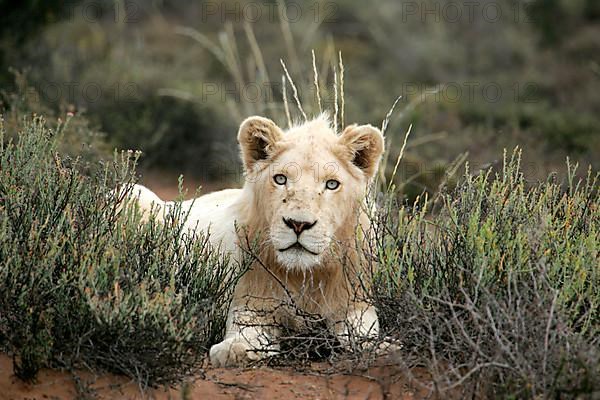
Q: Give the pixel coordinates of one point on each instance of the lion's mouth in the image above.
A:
(298, 246)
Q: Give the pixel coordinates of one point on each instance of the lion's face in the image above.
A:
(307, 184)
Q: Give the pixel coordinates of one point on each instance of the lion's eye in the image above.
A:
(280, 179)
(332, 184)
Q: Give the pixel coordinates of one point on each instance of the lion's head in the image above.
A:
(307, 184)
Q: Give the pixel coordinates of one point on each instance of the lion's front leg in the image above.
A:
(360, 325)
(250, 337)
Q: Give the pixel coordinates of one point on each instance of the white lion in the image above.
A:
(304, 198)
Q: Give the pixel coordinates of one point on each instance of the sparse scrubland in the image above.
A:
(484, 267)
(493, 286)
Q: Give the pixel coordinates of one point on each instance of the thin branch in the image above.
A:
(386, 121)
(316, 80)
(286, 105)
(399, 157)
(335, 100)
(341, 65)
(287, 74)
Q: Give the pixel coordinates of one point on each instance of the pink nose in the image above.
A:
(298, 226)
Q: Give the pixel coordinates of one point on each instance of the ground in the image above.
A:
(216, 384)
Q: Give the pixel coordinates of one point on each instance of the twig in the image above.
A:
(286, 105)
(335, 100)
(287, 74)
(386, 121)
(341, 65)
(316, 81)
(399, 158)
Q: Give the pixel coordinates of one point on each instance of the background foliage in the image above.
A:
(175, 77)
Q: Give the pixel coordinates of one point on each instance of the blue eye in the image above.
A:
(332, 184)
(280, 179)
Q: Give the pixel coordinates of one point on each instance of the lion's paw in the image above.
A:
(233, 352)
(388, 346)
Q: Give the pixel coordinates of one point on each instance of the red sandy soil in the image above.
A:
(217, 384)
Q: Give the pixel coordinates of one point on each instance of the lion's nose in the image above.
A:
(298, 226)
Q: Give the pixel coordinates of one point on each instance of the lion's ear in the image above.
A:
(257, 137)
(363, 146)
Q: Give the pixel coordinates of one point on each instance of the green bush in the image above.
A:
(172, 134)
(83, 282)
(499, 290)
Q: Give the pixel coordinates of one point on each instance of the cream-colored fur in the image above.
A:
(316, 270)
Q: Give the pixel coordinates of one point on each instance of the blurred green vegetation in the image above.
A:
(174, 78)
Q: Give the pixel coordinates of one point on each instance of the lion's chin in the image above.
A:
(298, 259)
